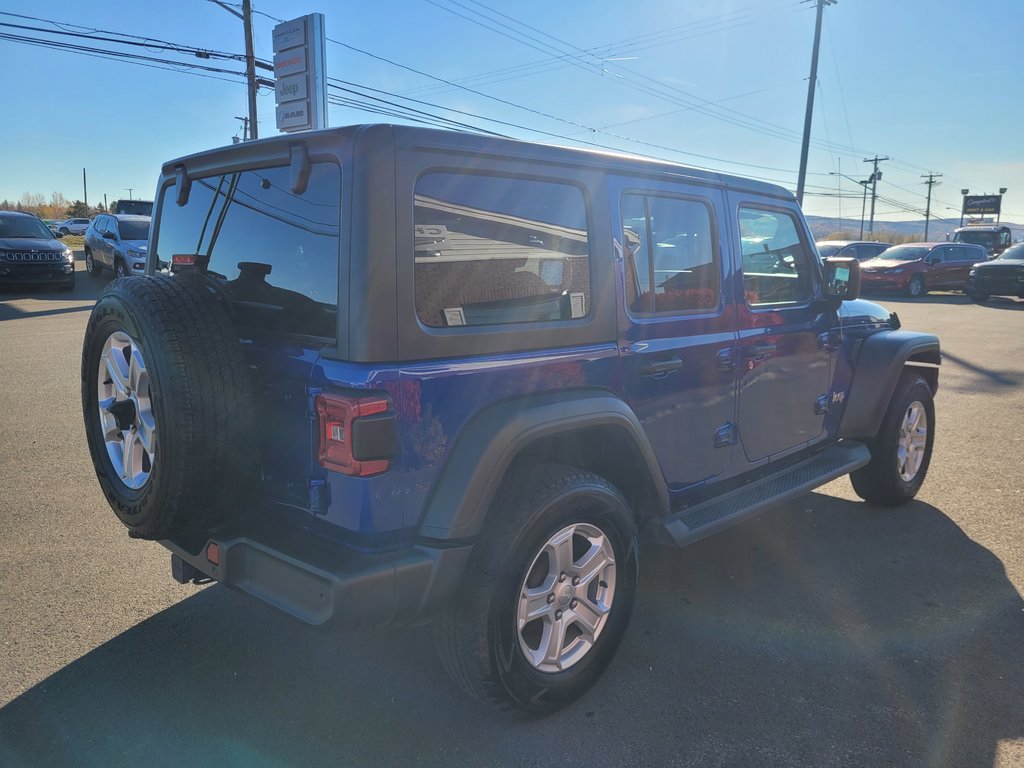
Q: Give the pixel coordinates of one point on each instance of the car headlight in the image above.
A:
(69, 256)
(133, 254)
(973, 271)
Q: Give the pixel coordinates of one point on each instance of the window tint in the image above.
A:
(670, 257)
(491, 249)
(776, 263)
(275, 252)
(133, 230)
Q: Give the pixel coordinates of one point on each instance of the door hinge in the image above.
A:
(726, 434)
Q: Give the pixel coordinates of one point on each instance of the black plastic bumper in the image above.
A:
(321, 583)
(34, 274)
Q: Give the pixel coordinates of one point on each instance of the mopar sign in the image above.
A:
(300, 86)
(982, 204)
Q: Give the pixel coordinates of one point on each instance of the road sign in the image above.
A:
(300, 74)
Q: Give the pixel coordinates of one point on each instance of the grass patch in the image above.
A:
(74, 242)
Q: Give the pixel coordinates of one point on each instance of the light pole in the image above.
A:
(864, 197)
(963, 205)
(129, 192)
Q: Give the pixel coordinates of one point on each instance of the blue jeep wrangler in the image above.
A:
(383, 374)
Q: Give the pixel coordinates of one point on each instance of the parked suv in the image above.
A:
(403, 374)
(1001, 276)
(72, 226)
(861, 250)
(30, 254)
(118, 243)
(916, 268)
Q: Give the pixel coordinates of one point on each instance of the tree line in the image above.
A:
(57, 207)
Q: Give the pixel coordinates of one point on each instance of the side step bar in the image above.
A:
(696, 522)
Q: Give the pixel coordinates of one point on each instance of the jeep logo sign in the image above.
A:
(290, 88)
(300, 87)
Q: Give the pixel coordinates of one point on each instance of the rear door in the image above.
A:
(784, 331)
(274, 254)
(965, 258)
(677, 335)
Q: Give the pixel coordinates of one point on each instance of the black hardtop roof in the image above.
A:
(405, 135)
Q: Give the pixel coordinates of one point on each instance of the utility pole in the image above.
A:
(252, 84)
(810, 100)
(105, 208)
(250, 67)
(85, 189)
(863, 203)
(928, 208)
(245, 127)
(875, 176)
(129, 192)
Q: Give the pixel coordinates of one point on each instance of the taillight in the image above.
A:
(357, 434)
(180, 260)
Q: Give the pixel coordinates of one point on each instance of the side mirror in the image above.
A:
(58, 235)
(933, 260)
(842, 278)
(110, 236)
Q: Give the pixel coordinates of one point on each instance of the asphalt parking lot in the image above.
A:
(825, 633)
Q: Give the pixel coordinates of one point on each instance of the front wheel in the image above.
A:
(549, 592)
(915, 287)
(978, 298)
(121, 269)
(902, 449)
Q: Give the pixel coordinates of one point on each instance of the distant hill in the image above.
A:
(822, 226)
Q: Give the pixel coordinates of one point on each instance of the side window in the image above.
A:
(672, 264)
(776, 261)
(101, 225)
(274, 252)
(112, 227)
(494, 249)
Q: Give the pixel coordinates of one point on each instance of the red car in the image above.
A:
(916, 268)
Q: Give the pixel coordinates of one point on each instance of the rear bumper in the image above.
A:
(321, 583)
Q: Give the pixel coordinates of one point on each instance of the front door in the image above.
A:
(676, 324)
(784, 340)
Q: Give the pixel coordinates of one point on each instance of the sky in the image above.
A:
(932, 84)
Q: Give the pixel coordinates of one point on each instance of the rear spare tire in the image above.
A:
(167, 405)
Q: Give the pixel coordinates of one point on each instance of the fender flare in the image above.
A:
(881, 359)
(488, 444)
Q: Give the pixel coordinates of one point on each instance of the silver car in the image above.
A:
(72, 226)
(117, 242)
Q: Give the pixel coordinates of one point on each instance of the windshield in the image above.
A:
(986, 239)
(904, 253)
(133, 230)
(1013, 252)
(829, 250)
(24, 226)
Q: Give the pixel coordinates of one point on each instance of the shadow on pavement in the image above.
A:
(14, 299)
(824, 633)
(995, 302)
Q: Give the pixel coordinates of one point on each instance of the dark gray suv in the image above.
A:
(30, 254)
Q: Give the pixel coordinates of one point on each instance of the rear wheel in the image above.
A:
(91, 266)
(915, 287)
(902, 449)
(548, 594)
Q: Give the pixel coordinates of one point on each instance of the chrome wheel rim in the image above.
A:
(125, 409)
(121, 271)
(566, 598)
(915, 287)
(88, 261)
(912, 441)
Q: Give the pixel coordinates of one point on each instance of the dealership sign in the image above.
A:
(300, 77)
(982, 204)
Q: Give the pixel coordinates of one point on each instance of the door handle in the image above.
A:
(759, 349)
(661, 366)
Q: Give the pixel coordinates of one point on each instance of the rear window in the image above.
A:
(492, 250)
(133, 230)
(274, 252)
